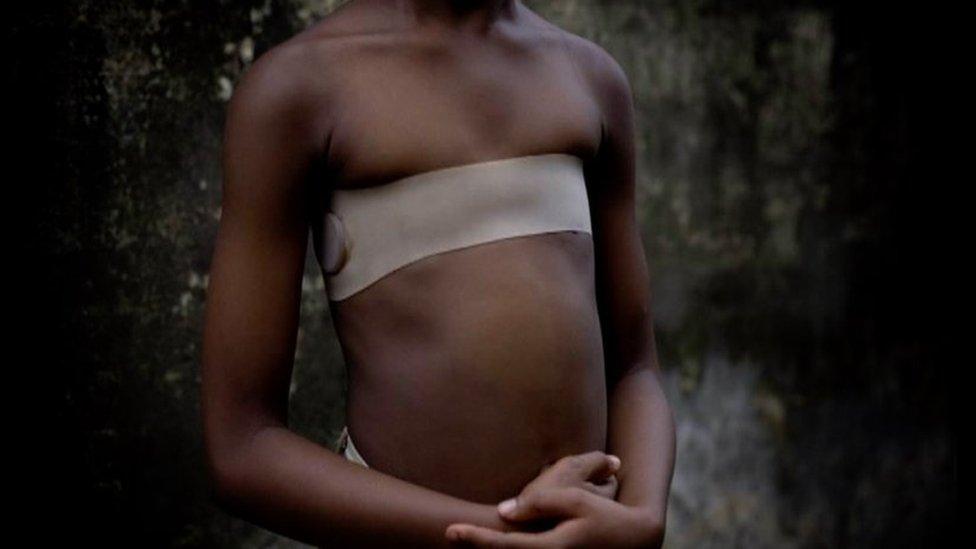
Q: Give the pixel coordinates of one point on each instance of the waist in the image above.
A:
(474, 437)
(492, 370)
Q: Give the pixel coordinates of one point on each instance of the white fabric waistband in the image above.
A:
(348, 449)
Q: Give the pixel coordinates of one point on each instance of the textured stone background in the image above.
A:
(788, 234)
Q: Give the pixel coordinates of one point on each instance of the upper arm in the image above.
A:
(622, 279)
(254, 290)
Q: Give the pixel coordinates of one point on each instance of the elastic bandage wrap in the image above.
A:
(371, 232)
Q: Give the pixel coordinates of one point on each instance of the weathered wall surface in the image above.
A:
(778, 157)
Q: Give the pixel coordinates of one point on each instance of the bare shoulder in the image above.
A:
(605, 75)
(290, 85)
(276, 78)
(302, 70)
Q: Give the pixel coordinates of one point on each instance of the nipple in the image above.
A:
(336, 247)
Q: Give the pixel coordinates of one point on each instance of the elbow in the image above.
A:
(222, 491)
(229, 467)
(234, 470)
(229, 456)
(225, 479)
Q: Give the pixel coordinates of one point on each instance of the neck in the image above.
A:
(477, 16)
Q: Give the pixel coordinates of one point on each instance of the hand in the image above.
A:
(593, 471)
(588, 521)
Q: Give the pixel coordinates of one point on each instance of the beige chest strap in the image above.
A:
(373, 231)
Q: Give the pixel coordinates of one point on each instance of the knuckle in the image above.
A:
(595, 455)
(565, 478)
(576, 498)
(575, 461)
(569, 463)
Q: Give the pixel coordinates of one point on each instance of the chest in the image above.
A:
(404, 113)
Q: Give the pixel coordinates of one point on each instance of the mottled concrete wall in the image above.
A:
(776, 157)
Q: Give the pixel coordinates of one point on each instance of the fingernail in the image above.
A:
(615, 461)
(507, 506)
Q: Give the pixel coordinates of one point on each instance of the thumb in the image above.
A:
(546, 503)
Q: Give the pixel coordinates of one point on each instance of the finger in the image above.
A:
(547, 503)
(589, 466)
(607, 489)
(477, 536)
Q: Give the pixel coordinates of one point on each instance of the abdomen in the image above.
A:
(469, 370)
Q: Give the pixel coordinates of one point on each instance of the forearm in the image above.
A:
(642, 434)
(293, 486)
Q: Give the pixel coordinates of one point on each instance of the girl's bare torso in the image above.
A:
(471, 369)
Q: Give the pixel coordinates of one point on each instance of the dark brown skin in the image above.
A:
(471, 370)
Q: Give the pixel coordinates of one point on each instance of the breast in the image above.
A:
(371, 232)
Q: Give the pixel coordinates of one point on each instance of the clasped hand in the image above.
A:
(570, 504)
